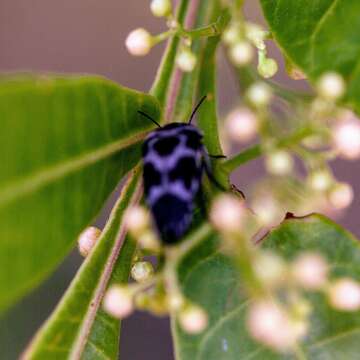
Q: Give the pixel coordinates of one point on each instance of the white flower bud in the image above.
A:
(137, 220)
(310, 270)
(241, 53)
(271, 326)
(228, 213)
(139, 42)
(256, 34)
(231, 34)
(320, 180)
(341, 196)
(193, 319)
(175, 302)
(346, 138)
(186, 61)
(118, 301)
(148, 240)
(267, 210)
(331, 86)
(344, 294)
(87, 240)
(259, 94)
(160, 8)
(142, 271)
(270, 268)
(268, 68)
(279, 162)
(241, 125)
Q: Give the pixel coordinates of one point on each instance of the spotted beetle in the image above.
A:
(174, 160)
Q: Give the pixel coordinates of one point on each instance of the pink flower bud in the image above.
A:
(118, 301)
(341, 196)
(193, 319)
(344, 294)
(139, 42)
(346, 138)
(310, 270)
(241, 125)
(268, 324)
(228, 213)
(87, 240)
(137, 220)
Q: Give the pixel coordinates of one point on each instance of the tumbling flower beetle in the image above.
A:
(175, 160)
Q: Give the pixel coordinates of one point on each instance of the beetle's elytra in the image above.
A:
(174, 160)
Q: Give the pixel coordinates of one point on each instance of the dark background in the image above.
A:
(87, 36)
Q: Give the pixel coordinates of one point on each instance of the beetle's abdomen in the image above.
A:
(172, 177)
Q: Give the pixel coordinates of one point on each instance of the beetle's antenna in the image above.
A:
(196, 108)
(150, 118)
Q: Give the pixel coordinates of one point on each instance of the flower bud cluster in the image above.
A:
(138, 222)
(243, 39)
(280, 323)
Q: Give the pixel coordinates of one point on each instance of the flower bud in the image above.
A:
(193, 319)
(186, 60)
(160, 8)
(228, 213)
(267, 67)
(148, 240)
(269, 268)
(241, 125)
(231, 34)
(256, 34)
(341, 196)
(320, 180)
(259, 94)
(310, 270)
(142, 271)
(137, 220)
(331, 86)
(241, 53)
(118, 301)
(271, 326)
(175, 302)
(346, 138)
(87, 240)
(267, 210)
(139, 42)
(279, 162)
(344, 294)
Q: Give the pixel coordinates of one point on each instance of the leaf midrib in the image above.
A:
(41, 178)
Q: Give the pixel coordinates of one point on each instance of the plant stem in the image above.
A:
(163, 79)
(257, 150)
(207, 118)
(247, 76)
(213, 29)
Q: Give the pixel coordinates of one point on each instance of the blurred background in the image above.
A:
(87, 36)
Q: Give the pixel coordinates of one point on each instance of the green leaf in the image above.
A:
(79, 328)
(319, 36)
(65, 143)
(211, 280)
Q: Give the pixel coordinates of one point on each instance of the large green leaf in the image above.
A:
(210, 279)
(318, 36)
(79, 328)
(65, 142)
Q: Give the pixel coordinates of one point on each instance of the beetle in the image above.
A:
(174, 161)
